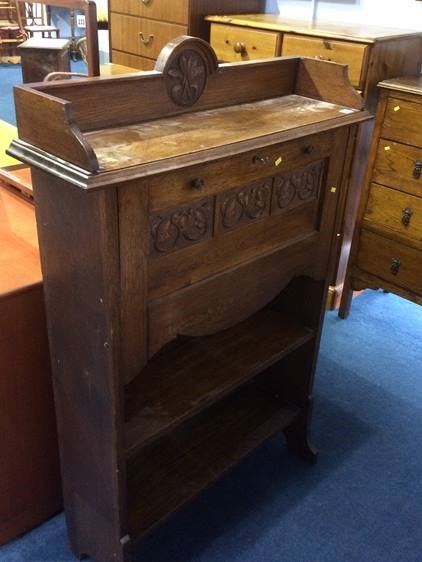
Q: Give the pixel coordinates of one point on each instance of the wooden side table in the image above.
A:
(39, 56)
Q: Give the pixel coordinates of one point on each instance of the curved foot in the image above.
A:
(302, 446)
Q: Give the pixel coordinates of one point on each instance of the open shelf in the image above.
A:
(190, 374)
(172, 470)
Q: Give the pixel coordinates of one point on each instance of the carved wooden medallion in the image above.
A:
(243, 205)
(181, 227)
(186, 64)
(294, 187)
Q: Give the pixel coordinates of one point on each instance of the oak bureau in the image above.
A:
(372, 53)
(387, 245)
(186, 219)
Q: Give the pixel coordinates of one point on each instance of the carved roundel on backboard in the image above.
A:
(186, 78)
(186, 64)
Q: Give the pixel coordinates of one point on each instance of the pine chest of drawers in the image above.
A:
(139, 29)
(372, 54)
(387, 245)
(185, 240)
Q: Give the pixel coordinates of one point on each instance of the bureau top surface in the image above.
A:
(409, 84)
(142, 143)
(349, 31)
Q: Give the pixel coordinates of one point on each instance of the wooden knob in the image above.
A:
(239, 47)
(197, 183)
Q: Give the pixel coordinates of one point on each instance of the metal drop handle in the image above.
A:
(417, 170)
(406, 215)
(146, 41)
(395, 266)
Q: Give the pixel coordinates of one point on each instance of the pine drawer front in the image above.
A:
(163, 10)
(140, 36)
(402, 122)
(186, 186)
(344, 52)
(400, 166)
(133, 61)
(394, 213)
(391, 261)
(233, 43)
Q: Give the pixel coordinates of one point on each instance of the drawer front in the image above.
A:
(162, 10)
(198, 182)
(393, 262)
(234, 43)
(399, 166)
(134, 61)
(402, 122)
(140, 36)
(344, 52)
(391, 211)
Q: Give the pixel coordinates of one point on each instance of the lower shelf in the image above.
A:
(171, 471)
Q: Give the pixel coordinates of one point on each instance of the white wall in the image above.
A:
(389, 13)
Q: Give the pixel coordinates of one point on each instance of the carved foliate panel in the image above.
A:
(243, 205)
(181, 227)
(296, 187)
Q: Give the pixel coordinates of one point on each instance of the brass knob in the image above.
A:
(146, 40)
(146, 2)
(395, 266)
(406, 214)
(417, 170)
(197, 183)
(240, 47)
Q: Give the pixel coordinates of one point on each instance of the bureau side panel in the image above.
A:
(79, 254)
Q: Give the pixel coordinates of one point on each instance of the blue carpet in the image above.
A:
(360, 503)
(10, 74)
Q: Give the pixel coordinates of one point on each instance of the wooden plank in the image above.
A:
(80, 284)
(231, 296)
(168, 138)
(199, 454)
(180, 269)
(170, 389)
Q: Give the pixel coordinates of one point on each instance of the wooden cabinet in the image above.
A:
(371, 53)
(185, 239)
(139, 29)
(387, 245)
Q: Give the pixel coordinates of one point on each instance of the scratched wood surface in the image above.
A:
(165, 138)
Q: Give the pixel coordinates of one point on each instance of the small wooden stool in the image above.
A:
(39, 56)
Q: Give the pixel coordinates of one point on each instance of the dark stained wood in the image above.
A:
(200, 453)
(248, 221)
(386, 249)
(134, 249)
(222, 300)
(241, 123)
(226, 174)
(87, 405)
(170, 390)
(37, 114)
(372, 53)
(41, 56)
(180, 269)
